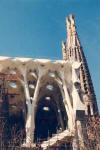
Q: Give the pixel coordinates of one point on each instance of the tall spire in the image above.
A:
(75, 52)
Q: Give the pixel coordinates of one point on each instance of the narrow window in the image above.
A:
(89, 111)
(94, 108)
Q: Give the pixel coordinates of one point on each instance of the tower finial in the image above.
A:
(71, 17)
(68, 24)
(64, 50)
(72, 20)
(75, 40)
(68, 33)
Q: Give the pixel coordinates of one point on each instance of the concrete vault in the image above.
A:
(43, 95)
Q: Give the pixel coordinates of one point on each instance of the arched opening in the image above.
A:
(46, 121)
(89, 110)
(50, 114)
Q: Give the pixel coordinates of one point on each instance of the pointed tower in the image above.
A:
(75, 52)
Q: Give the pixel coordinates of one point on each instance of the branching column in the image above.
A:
(59, 82)
(31, 104)
(34, 105)
(67, 101)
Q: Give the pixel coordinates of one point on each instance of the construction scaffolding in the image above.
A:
(4, 109)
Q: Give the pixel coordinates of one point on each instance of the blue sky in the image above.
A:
(36, 28)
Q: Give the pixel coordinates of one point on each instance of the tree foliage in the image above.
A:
(93, 132)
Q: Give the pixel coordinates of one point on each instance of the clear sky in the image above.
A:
(36, 28)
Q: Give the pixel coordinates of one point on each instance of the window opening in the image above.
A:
(31, 86)
(49, 87)
(46, 108)
(89, 110)
(47, 98)
(51, 74)
(12, 72)
(13, 85)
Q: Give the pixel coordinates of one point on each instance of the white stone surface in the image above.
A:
(67, 76)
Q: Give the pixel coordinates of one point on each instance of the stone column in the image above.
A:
(79, 109)
(67, 101)
(81, 128)
(60, 116)
(31, 105)
(63, 96)
(24, 82)
(34, 105)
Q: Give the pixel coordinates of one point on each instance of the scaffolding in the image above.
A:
(4, 108)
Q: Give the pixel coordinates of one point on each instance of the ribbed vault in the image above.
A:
(50, 114)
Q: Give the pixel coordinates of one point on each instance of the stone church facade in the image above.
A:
(49, 99)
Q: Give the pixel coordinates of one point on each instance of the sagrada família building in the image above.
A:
(49, 98)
